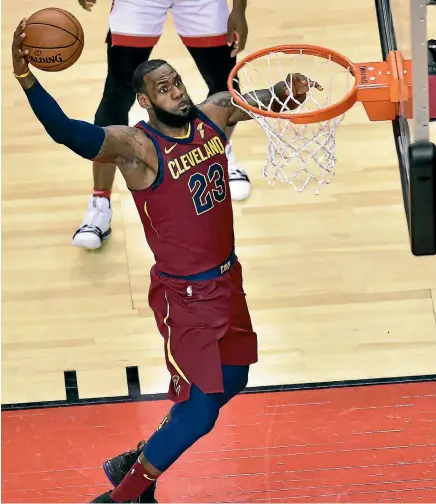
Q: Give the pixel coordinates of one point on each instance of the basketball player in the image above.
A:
(176, 169)
(135, 26)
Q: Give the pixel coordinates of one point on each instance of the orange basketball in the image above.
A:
(54, 39)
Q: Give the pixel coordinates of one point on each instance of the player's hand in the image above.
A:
(300, 85)
(19, 60)
(87, 4)
(237, 25)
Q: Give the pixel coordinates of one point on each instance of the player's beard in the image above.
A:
(175, 120)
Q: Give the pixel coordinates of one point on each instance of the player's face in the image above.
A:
(168, 98)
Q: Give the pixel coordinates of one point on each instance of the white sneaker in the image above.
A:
(96, 225)
(240, 186)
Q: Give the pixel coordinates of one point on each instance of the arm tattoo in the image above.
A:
(223, 99)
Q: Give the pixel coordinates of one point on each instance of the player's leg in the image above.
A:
(192, 328)
(214, 64)
(234, 378)
(237, 349)
(189, 421)
(202, 26)
(134, 28)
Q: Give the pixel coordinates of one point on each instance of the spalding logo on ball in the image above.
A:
(54, 39)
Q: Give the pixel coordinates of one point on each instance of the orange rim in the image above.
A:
(379, 85)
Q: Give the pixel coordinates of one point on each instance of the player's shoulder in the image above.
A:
(126, 131)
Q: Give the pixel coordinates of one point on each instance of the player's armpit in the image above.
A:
(122, 144)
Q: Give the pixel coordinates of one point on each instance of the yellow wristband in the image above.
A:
(22, 75)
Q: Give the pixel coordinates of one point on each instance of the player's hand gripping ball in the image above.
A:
(53, 38)
(19, 57)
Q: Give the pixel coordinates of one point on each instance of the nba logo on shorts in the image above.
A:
(189, 290)
(176, 385)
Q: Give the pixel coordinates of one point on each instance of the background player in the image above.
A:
(208, 32)
(176, 168)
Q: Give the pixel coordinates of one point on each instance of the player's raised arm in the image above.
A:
(110, 144)
(221, 109)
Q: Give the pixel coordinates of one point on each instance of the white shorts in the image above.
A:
(139, 23)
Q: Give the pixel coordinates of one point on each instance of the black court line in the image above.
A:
(134, 390)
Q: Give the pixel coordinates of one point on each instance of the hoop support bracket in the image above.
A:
(384, 87)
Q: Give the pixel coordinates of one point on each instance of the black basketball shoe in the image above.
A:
(106, 497)
(117, 467)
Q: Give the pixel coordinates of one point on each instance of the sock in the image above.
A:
(103, 193)
(134, 483)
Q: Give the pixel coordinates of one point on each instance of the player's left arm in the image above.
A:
(220, 108)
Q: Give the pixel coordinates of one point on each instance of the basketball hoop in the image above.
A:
(302, 137)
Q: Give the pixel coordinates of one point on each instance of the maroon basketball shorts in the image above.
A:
(204, 324)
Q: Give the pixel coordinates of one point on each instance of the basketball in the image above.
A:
(54, 39)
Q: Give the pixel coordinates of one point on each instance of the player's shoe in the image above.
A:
(117, 467)
(106, 497)
(240, 186)
(96, 225)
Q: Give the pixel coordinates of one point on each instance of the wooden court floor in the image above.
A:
(333, 288)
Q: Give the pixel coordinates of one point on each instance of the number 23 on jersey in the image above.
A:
(203, 197)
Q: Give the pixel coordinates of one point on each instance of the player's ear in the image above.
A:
(143, 100)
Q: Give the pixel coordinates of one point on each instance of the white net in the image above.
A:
(303, 155)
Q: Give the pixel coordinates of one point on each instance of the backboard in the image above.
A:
(403, 26)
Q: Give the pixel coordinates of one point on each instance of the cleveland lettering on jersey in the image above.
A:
(180, 245)
(194, 157)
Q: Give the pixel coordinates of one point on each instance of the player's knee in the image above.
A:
(235, 379)
(206, 419)
(242, 381)
(214, 64)
(216, 84)
(115, 104)
(201, 411)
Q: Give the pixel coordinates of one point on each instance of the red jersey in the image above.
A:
(187, 212)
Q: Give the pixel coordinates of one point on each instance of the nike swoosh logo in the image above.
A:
(148, 478)
(167, 151)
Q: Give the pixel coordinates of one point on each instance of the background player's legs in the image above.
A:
(190, 420)
(118, 98)
(135, 27)
(214, 64)
(202, 26)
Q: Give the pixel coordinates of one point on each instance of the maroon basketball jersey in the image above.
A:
(187, 213)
